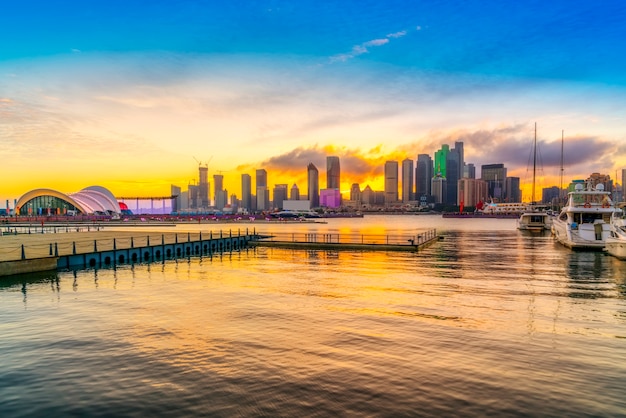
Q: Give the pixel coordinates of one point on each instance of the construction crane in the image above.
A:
(200, 162)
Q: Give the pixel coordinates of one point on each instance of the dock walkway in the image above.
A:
(356, 242)
(26, 253)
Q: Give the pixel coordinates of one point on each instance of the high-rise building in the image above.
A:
(333, 173)
(218, 186)
(441, 157)
(313, 185)
(176, 198)
(495, 176)
(391, 182)
(550, 195)
(623, 184)
(355, 193)
(262, 192)
(452, 176)
(294, 194)
(279, 195)
(203, 187)
(513, 191)
(469, 171)
(439, 188)
(471, 191)
(246, 192)
(407, 181)
(423, 175)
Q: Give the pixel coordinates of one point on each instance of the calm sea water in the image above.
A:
(486, 322)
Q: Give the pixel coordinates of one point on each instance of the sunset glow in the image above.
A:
(133, 97)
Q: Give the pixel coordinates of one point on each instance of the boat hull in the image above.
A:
(616, 247)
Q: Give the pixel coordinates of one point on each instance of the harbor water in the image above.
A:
(487, 321)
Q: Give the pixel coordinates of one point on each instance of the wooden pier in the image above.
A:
(355, 242)
(27, 253)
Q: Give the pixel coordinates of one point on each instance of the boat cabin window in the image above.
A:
(587, 218)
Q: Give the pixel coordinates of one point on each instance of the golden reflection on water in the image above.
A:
(482, 308)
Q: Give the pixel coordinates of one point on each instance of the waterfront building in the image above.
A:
(471, 191)
(294, 194)
(355, 193)
(495, 176)
(423, 175)
(469, 171)
(330, 198)
(391, 182)
(93, 200)
(551, 195)
(218, 187)
(246, 192)
(221, 199)
(513, 190)
(441, 158)
(279, 195)
(176, 198)
(313, 185)
(262, 192)
(439, 188)
(407, 181)
(453, 174)
(333, 173)
(203, 188)
(194, 202)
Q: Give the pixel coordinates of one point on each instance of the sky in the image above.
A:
(134, 96)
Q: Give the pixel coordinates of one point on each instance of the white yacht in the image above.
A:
(585, 221)
(616, 241)
(534, 221)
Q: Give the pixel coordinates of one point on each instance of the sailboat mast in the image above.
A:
(561, 185)
(534, 165)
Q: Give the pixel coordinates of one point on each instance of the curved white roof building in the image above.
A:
(93, 200)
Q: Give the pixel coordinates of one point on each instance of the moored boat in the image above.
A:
(616, 241)
(585, 221)
(534, 221)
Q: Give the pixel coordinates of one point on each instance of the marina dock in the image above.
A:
(27, 253)
(355, 242)
(44, 251)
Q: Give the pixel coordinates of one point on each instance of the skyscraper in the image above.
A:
(333, 173)
(218, 184)
(452, 177)
(407, 181)
(294, 194)
(313, 185)
(203, 187)
(280, 195)
(423, 175)
(495, 176)
(391, 182)
(441, 157)
(262, 192)
(246, 192)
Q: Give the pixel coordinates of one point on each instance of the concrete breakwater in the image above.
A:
(41, 252)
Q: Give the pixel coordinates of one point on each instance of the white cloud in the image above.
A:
(397, 34)
(376, 42)
(363, 48)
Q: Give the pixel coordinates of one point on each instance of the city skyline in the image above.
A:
(89, 95)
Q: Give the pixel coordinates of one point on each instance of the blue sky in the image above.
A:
(129, 93)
